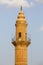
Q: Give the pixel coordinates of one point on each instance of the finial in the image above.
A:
(21, 8)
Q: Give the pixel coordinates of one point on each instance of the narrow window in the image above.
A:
(19, 34)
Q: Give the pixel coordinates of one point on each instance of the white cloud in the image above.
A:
(41, 28)
(39, 1)
(17, 3)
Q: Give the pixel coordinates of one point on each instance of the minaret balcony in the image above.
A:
(25, 42)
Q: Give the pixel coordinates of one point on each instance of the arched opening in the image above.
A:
(19, 34)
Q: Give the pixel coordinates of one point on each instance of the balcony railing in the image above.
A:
(19, 39)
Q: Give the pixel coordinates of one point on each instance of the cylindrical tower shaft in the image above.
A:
(21, 55)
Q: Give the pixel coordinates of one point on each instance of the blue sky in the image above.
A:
(34, 16)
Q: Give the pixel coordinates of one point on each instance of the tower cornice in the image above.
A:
(22, 43)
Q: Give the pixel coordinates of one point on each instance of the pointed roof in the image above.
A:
(21, 16)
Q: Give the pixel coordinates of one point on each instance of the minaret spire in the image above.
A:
(21, 8)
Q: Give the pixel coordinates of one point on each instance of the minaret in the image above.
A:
(21, 42)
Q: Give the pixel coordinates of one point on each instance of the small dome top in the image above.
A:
(21, 17)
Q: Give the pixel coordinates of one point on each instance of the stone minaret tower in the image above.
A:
(21, 42)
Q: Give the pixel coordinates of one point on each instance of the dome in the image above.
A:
(21, 17)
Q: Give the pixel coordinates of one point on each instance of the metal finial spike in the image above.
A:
(21, 8)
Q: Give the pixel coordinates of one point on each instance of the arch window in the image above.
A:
(19, 34)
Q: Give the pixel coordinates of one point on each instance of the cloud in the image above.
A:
(41, 28)
(17, 3)
(39, 1)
